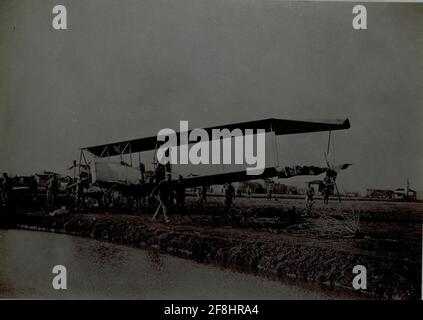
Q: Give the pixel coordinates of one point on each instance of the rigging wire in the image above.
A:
(333, 150)
(329, 138)
(276, 151)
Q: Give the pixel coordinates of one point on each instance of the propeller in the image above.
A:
(332, 170)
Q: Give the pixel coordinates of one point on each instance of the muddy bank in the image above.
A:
(323, 262)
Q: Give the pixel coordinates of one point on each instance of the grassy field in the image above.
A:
(390, 225)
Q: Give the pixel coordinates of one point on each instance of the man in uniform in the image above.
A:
(249, 191)
(327, 185)
(54, 190)
(49, 191)
(203, 196)
(33, 187)
(82, 183)
(269, 192)
(164, 190)
(309, 200)
(229, 196)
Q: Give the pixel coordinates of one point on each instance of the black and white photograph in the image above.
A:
(183, 150)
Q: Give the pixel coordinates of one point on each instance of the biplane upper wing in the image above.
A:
(278, 126)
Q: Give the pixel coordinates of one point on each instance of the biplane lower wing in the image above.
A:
(222, 178)
(270, 172)
(144, 189)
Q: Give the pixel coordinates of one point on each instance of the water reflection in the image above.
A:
(155, 259)
(103, 270)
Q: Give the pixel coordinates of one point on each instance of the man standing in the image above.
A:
(180, 195)
(52, 190)
(229, 196)
(33, 187)
(160, 173)
(49, 190)
(142, 172)
(269, 192)
(327, 185)
(69, 191)
(81, 185)
(203, 196)
(249, 192)
(164, 190)
(309, 200)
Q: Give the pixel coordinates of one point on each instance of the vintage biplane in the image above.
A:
(112, 169)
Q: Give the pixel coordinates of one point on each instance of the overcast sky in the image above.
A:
(126, 69)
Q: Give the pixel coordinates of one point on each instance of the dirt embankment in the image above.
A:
(327, 262)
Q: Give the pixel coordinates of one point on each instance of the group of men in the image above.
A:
(328, 184)
(172, 195)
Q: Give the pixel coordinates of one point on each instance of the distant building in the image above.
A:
(379, 193)
(352, 194)
(405, 194)
(397, 194)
